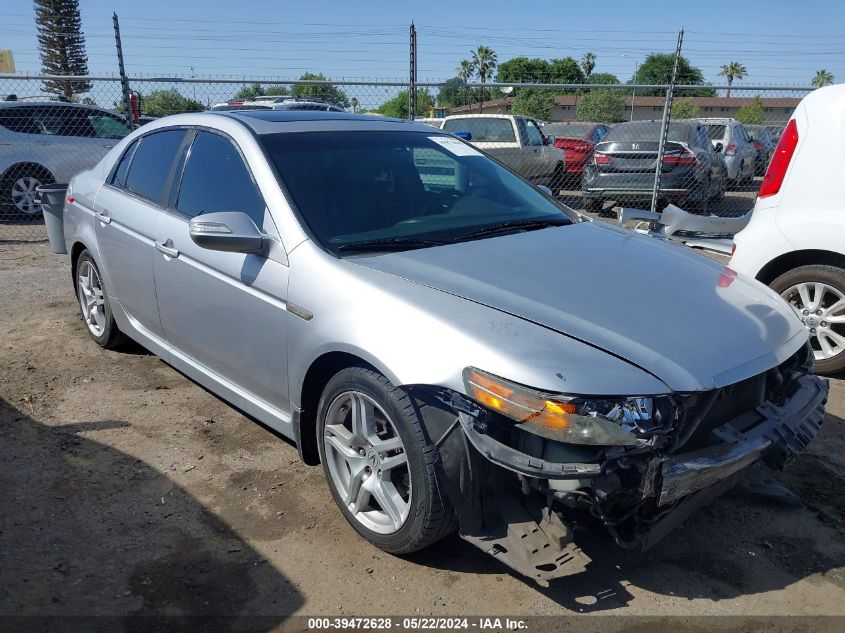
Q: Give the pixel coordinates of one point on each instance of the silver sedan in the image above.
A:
(456, 348)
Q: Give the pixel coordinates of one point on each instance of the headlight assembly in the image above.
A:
(605, 421)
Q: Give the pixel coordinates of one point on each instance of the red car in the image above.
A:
(576, 139)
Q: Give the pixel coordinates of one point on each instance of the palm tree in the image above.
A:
(464, 71)
(484, 62)
(822, 78)
(588, 62)
(732, 71)
(354, 103)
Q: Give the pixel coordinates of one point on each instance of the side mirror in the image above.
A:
(718, 147)
(467, 136)
(230, 231)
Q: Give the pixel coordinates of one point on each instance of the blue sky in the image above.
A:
(779, 42)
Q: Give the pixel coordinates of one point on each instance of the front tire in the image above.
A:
(94, 303)
(817, 294)
(379, 462)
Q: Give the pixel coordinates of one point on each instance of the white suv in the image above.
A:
(795, 241)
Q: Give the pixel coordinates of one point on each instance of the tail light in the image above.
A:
(679, 158)
(574, 144)
(730, 150)
(603, 159)
(758, 146)
(773, 179)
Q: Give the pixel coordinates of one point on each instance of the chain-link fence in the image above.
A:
(594, 146)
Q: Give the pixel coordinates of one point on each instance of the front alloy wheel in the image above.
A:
(367, 462)
(380, 463)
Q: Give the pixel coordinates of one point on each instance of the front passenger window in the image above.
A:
(217, 179)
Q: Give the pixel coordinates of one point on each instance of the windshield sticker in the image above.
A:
(455, 146)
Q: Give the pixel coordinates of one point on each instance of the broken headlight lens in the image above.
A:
(605, 421)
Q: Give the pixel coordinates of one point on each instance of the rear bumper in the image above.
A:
(638, 184)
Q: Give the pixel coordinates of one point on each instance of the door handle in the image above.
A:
(103, 216)
(167, 248)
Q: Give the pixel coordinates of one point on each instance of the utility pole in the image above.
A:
(664, 126)
(124, 80)
(412, 80)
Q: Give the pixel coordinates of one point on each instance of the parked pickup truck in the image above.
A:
(515, 141)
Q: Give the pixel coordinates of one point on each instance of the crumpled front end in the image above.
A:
(517, 490)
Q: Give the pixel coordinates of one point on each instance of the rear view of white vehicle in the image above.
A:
(795, 241)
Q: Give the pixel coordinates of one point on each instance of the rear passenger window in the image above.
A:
(119, 178)
(151, 165)
(217, 179)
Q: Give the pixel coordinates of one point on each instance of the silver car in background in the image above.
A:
(454, 346)
(49, 141)
(730, 138)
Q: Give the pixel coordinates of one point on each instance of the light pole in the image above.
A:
(634, 90)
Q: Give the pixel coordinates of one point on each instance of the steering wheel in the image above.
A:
(445, 199)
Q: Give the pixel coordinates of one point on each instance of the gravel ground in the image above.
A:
(128, 489)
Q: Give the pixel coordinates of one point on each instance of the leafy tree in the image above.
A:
(247, 93)
(464, 71)
(751, 113)
(684, 110)
(484, 62)
(61, 44)
(398, 105)
(452, 93)
(602, 78)
(565, 71)
(169, 101)
(588, 63)
(732, 71)
(534, 102)
(657, 69)
(607, 106)
(325, 92)
(523, 70)
(823, 78)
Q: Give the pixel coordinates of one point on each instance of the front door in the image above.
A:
(223, 312)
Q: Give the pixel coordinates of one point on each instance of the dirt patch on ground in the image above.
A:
(129, 489)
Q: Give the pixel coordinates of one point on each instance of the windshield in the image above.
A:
(716, 132)
(647, 131)
(567, 130)
(351, 187)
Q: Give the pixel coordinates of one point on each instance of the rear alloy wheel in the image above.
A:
(21, 192)
(817, 294)
(94, 304)
(378, 462)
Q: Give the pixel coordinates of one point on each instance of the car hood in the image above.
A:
(687, 320)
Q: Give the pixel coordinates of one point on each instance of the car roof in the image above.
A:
(275, 121)
(41, 104)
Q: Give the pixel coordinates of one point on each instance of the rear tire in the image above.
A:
(801, 288)
(379, 462)
(94, 303)
(558, 180)
(17, 191)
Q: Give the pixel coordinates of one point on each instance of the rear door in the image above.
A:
(223, 312)
(127, 209)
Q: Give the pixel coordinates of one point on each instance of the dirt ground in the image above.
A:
(127, 489)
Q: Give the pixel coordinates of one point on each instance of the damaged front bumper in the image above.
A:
(520, 519)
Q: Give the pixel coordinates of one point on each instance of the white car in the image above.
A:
(795, 241)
